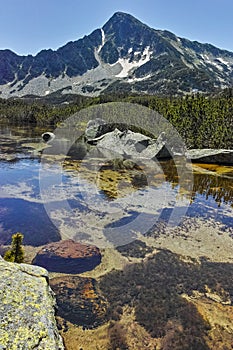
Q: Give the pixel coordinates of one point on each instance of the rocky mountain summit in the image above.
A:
(123, 55)
(27, 309)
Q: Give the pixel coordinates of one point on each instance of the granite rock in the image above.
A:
(27, 308)
(211, 156)
(129, 144)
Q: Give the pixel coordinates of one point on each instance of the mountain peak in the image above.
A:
(120, 14)
(122, 18)
(124, 55)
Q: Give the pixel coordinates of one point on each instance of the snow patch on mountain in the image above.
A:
(177, 45)
(226, 63)
(103, 41)
(127, 65)
(133, 80)
(189, 65)
(218, 62)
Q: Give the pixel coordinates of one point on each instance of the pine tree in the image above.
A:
(16, 253)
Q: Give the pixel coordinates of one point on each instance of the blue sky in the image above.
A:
(28, 26)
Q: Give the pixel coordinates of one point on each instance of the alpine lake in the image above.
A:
(50, 197)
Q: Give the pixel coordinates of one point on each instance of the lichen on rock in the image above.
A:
(27, 303)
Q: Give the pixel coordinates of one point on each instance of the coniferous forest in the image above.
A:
(202, 121)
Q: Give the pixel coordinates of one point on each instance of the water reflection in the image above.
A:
(219, 188)
(217, 184)
(18, 215)
(22, 209)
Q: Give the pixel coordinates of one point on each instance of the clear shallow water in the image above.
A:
(48, 200)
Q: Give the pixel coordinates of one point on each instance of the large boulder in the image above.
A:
(68, 256)
(27, 304)
(211, 156)
(129, 144)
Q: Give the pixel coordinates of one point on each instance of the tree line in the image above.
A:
(202, 121)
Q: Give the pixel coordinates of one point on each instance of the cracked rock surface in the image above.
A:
(27, 307)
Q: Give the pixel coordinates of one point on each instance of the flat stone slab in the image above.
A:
(211, 156)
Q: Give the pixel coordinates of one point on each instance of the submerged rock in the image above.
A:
(68, 257)
(79, 300)
(27, 304)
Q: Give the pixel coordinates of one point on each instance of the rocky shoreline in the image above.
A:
(122, 142)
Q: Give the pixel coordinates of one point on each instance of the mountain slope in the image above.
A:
(124, 55)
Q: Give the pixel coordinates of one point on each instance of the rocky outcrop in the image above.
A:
(79, 300)
(26, 309)
(135, 145)
(211, 156)
(94, 127)
(68, 257)
(125, 143)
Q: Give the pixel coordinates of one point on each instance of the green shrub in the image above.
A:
(16, 253)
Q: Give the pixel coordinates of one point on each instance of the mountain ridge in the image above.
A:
(124, 55)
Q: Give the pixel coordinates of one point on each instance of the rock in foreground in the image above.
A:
(68, 257)
(26, 309)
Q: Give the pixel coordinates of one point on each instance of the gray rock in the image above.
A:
(131, 144)
(27, 304)
(93, 127)
(211, 156)
(48, 136)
